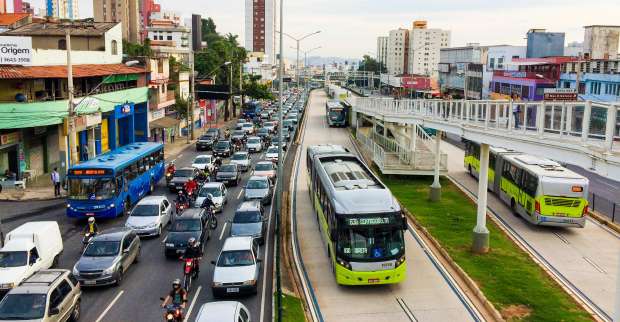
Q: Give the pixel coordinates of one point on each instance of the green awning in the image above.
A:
(120, 78)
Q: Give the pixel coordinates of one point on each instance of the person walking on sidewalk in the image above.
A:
(172, 135)
(56, 182)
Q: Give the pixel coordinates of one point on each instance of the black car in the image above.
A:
(181, 176)
(206, 141)
(223, 149)
(228, 174)
(193, 222)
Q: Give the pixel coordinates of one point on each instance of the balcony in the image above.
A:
(160, 101)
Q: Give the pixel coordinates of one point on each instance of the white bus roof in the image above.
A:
(543, 167)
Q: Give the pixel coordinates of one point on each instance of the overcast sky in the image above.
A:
(349, 27)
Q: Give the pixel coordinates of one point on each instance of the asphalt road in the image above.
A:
(137, 299)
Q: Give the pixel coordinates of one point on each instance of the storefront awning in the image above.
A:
(164, 123)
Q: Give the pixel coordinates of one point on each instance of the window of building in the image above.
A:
(492, 62)
(169, 37)
(114, 47)
(500, 62)
(62, 44)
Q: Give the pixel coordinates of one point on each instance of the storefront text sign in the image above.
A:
(15, 50)
(9, 138)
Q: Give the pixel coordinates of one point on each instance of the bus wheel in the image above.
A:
(513, 207)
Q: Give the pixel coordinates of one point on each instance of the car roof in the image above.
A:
(218, 311)
(264, 162)
(254, 137)
(151, 200)
(257, 178)
(237, 243)
(112, 234)
(191, 213)
(212, 184)
(250, 205)
(241, 152)
(203, 156)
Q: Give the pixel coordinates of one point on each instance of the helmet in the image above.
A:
(176, 282)
(180, 192)
(171, 163)
(191, 241)
(210, 196)
(91, 220)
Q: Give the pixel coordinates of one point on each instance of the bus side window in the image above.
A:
(119, 184)
(491, 161)
(530, 184)
(131, 172)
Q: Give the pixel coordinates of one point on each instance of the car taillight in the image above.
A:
(537, 206)
(585, 210)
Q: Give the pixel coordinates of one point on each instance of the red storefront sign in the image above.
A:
(416, 82)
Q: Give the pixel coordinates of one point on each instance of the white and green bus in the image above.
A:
(335, 113)
(361, 223)
(539, 190)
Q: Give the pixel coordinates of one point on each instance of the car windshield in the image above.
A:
(269, 124)
(91, 189)
(102, 248)
(272, 150)
(336, 114)
(181, 225)
(248, 125)
(257, 184)
(371, 243)
(222, 145)
(228, 168)
(13, 259)
(240, 132)
(239, 156)
(247, 217)
(214, 191)
(264, 167)
(254, 141)
(263, 131)
(235, 258)
(202, 160)
(185, 173)
(23, 307)
(205, 137)
(145, 211)
(212, 131)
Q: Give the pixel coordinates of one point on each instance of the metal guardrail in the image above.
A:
(605, 207)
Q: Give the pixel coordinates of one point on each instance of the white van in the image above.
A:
(27, 249)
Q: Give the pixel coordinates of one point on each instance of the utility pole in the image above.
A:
(230, 102)
(280, 165)
(190, 102)
(71, 108)
(241, 82)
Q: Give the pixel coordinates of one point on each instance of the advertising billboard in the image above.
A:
(15, 50)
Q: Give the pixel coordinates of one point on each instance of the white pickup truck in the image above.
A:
(27, 249)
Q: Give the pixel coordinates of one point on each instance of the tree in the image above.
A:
(138, 50)
(181, 106)
(370, 64)
(256, 90)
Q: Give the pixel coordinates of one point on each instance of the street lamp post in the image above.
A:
(297, 40)
(280, 165)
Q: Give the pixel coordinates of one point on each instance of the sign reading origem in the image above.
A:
(15, 50)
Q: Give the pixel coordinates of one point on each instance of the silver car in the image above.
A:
(254, 144)
(249, 220)
(242, 160)
(107, 257)
(258, 188)
(150, 216)
(237, 268)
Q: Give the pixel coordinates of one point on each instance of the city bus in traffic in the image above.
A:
(108, 185)
(336, 114)
(360, 221)
(537, 189)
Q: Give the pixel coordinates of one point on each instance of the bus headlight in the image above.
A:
(400, 261)
(343, 263)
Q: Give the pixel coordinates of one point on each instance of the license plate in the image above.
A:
(179, 251)
(373, 280)
(560, 214)
(90, 214)
(232, 290)
(88, 282)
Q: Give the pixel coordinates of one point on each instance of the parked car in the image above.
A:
(223, 311)
(242, 159)
(150, 216)
(107, 257)
(217, 190)
(272, 154)
(192, 223)
(206, 141)
(223, 148)
(237, 268)
(27, 249)
(228, 174)
(47, 296)
(258, 188)
(265, 169)
(181, 176)
(249, 220)
(255, 144)
(204, 162)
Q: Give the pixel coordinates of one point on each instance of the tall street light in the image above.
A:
(280, 165)
(306, 52)
(297, 40)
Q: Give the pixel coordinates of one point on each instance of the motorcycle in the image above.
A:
(86, 240)
(170, 173)
(174, 313)
(181, 206)
(212, 218)
(189, 272)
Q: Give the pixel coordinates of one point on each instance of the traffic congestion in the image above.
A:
(192, 235)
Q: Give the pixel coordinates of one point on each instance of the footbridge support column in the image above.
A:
(435, 191)
(481, 233)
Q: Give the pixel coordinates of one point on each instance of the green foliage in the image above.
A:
(181, 106)
(256, 90)
(370, 64)
(138, 50)
(292, 309)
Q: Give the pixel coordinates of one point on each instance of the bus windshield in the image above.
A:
(91, 189)
(374, 243)
(336, 114)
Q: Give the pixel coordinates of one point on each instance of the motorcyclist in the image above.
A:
(202, 175)
(190, 186)
(208, 202)
(182, 198)
(218, 162)
(178, 295)
(171, 167)
(194, 252)
(91, 228)
(226, 132)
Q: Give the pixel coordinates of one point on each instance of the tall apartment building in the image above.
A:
(424, 47)
(601, 42)
(63, 9)
(147, 7)
(260, 28)
(398, 52)
(127, 12)
(382, 45)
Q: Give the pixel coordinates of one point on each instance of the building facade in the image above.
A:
(382, 45)
(599, 79)
(424, 47)
(398, 52)
(62, 9)
(601, 42)
(541, 43)
(499, 58)
(460, 71)
(147, 8)
(260, 28)
(127, 12)
(169, 36)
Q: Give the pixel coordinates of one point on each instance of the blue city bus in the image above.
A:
(251, 109)
(108, 185)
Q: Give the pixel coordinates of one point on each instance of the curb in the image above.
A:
(30, 213)
(31, 199)
(603, 220)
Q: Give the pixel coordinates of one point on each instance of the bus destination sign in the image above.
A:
(89, 172)
(369, 221)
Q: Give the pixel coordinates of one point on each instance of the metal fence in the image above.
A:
(605, 207)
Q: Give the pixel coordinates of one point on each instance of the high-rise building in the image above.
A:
(382, 45)
(127, 12)
(398, 52)
(541, 43)
(63, 9)
(260, 28)
(424, 47)
(147, 8)
(601, 42)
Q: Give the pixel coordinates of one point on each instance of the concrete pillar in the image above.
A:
(63, 152)
(435, 192)
(91, 143)
(617, 305)
(481, 233)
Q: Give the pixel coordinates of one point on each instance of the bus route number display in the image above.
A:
(369, 221)
(88, 172)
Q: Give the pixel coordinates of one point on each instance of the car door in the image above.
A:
(224, 194)
(168, 212)
(125, 253)
(56, 309)
(66, 305)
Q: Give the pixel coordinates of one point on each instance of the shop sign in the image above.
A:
(157, 114)
(15, 50)
(560, 94)
(416, 82)
(124, 110)
(9, 138)
(79, 123)
(93, 119)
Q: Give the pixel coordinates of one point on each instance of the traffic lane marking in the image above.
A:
(265, 259)
(107, 309)
(223, 230)
(191, 306)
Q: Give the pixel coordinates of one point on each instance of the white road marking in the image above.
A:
(188, 313)
(223, 230)
(100, 318)
(240, 192)
(262, 303)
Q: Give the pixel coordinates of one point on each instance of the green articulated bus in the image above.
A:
(361, 222)
(539, 190)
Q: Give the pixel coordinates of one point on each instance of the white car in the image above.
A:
(272, 154)
(217, 190)
(254, 144)
(242, 160)
(223, 311)
(237, 268)
(150, 216)
(204, 162)
(248, 128)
